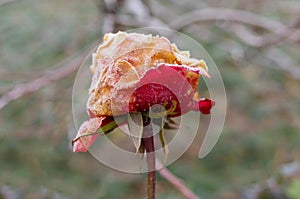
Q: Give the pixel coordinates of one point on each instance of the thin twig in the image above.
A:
(213, 14)
(282, 32)
(64, 68)
(254, 40)
(283, 61)
(176, 182)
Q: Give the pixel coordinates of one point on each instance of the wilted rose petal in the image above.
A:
(89, 127)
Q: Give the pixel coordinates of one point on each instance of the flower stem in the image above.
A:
(150, 153)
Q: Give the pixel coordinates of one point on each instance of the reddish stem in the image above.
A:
(150, 153)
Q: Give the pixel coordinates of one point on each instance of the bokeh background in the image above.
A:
(256, 46)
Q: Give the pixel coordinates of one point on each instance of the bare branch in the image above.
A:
(255, 40)
(283, 61)
(234, 15)
(64, 68)
(176, 182)
(282, 32)
(269, 57)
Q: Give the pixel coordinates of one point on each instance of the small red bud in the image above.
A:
(205, 105)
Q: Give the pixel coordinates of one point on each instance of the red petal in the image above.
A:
(90, 126)
(165, 85)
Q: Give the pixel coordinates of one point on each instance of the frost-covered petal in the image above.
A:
(82, 143)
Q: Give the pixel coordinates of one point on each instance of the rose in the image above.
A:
(133, 72)
(150, 94)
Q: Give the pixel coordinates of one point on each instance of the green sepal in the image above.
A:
(163, 142)
(135, 125)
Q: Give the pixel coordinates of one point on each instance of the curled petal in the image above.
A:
(88, 133)
(83, 144)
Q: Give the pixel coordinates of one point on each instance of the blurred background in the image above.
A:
(255, 44)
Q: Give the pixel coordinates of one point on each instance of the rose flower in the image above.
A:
(131, 73)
